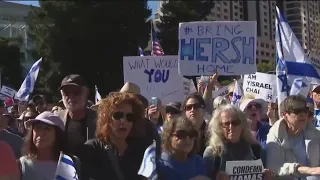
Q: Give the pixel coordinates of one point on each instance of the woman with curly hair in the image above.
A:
(179, 159)
(118, 150)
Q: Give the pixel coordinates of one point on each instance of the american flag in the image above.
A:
(156, 47)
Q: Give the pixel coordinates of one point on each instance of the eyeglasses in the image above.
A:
(120, 115)
(233, 123)
(182, 134)
(26, 118)
(256, 105)
(188, 107)
(299, 110)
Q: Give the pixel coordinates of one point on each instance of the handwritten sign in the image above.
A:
(228, 48)
(223, 91)
(249, 170)
(262, 85)
(8, 91)
(156, 76)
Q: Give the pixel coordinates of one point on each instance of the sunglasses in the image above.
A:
(299, 110)
(182, 134)
(188, 107)
(121, 115)
(256, 105)
(173, 111)
(233, 123)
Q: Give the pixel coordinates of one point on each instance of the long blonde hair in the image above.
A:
(216, 138)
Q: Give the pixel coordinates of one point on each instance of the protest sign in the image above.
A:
(223, 91)
(226, 47)
(262, 85)
(8, 91)
(245, 170)
(188, 86)
(157, 76)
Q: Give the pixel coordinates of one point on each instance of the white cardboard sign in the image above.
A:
(241, 170)
(262, 85)
(157, 76)
(8, 91)
(226, 47)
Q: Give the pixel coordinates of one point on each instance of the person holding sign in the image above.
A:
(230, 140)
(293, 142)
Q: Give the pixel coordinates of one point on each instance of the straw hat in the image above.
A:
(130, 87)
(245, 102)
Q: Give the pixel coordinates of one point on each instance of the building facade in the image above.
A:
(13, 19)
(302, 16)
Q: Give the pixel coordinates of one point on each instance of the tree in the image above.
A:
(266, 67)
(10, 68)
(89, 38)
(175, 12)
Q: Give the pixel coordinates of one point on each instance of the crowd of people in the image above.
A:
(194, 139)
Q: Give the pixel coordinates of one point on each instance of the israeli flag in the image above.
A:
(237, 94)
(97, 96)
(292, 62)
(300, 86)
(66, 169)
(28, 83)
(140, 51)
(148, 166)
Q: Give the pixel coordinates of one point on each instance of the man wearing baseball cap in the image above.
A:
(79, 120)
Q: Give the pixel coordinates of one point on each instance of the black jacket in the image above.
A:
(96, 164)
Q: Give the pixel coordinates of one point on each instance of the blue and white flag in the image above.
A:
(292, 62)
(300, 86)
(97, 96)
(140, 51)
(237, 94)
(28, 83)
(66, 169)
(148, 166)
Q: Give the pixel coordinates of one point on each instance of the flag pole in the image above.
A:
(59, 162)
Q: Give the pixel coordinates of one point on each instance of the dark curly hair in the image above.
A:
(107, 108)
(170, 127)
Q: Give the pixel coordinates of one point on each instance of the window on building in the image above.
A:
(273, 55)
(272, 46)
(267, 54)
(236, 19)
(262, 44)
(264, 7)
(293, 5)
(241, 16)
(294, 17)
(265, 20)
(224, 3)
(225, 17)
(265, 26)
(235, 7)
(265, 13)
(240, 3)
(266, 34)
(218, 8)
(218, 15)
(225, 10)
(262, 53)
(293, 11)
(235, 13)
(267, 45)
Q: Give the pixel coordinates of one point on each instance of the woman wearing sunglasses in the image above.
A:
(255, 110)
(194, 110)
(230, 140)
(117, 152)
(179, 159)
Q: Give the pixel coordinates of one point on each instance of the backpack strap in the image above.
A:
(114, 161)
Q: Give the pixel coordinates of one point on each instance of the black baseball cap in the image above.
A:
(173, 107)
(73, 80)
